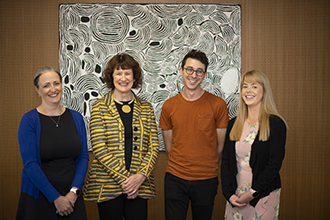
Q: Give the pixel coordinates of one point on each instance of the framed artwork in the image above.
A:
(158, 36)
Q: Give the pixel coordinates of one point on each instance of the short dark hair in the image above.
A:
(43, 70)
(123, 61)
(198, 55)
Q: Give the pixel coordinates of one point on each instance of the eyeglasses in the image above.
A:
(191, 71)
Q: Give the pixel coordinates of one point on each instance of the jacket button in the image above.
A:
(135, 147)
(135, 138)
(135, 128)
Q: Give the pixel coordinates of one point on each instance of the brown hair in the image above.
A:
(123, 61)
(43, 70)
(198, 55)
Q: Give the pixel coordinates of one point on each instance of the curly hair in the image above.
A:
(123, 61)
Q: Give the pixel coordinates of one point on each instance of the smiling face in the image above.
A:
(123, 80)
(49, 88)
(252, 93)
(192, 82)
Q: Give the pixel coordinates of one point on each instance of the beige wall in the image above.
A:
(287, 39)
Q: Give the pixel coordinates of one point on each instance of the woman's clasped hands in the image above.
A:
(132, 184)
(65, 204)
(241, 200)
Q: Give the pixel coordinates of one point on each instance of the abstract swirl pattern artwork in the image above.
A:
(158, 36)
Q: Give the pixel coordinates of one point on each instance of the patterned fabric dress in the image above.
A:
(267, 208)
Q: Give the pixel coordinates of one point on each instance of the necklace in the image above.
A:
(58, 120)
(252, 125)
(125, 108)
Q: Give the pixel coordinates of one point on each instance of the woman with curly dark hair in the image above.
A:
(125, 145)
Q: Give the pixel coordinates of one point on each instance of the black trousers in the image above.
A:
(131, 209)
(178, 193)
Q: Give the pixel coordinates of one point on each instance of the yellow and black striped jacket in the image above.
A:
(108, 172)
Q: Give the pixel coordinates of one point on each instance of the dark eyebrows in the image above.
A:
(197, 68)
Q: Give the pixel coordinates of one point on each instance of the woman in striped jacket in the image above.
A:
(125, 145)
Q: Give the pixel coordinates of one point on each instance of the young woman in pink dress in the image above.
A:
(253, 153)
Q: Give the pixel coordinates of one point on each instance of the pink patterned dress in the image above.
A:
(267, 208)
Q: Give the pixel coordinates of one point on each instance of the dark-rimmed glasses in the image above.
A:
(191, 71)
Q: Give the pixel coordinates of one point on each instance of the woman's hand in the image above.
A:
(63, 206)
(234, 200)
(245, 197)
(132, 185)
(72, 198)
(133, 196)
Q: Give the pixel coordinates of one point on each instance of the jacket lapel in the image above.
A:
(112, 108)
(136, 108)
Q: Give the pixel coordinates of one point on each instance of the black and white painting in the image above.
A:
(158, 36)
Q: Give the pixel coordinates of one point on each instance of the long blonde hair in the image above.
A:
(267, 108)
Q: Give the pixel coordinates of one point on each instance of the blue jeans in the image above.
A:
(178, 193)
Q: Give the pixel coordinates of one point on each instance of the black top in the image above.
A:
(59, 148)
(127, 121)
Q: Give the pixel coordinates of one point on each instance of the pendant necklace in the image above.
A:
(58, 120)
(125, 108)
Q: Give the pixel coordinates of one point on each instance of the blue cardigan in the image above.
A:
(33, 178)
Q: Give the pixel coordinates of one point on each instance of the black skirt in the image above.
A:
(30, 208)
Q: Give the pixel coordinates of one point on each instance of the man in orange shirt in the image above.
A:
(194, 125)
